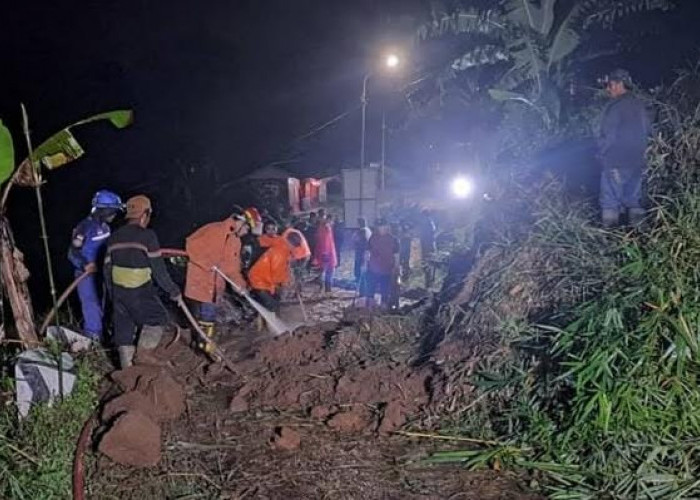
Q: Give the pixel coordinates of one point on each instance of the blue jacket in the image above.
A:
(88, 239)
(624, 133)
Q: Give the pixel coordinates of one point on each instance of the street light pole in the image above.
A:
(383, 149)
(362, 141)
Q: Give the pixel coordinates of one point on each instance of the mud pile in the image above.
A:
(131, 421)
(330, 372)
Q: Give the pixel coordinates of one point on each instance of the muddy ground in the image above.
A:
(314, 414)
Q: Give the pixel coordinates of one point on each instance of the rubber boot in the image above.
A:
(636, 216)
(147, 344)
(209, 329)
(610, 217)
(126, 355)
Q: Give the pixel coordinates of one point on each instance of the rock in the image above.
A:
(358, 419)
(240, 403)
(128, 378)
(133, 440)
(285, 439)
(394, 417)
(167, 396)
(322, 412)
(128, 402)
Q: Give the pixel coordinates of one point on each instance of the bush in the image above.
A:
(598, 393)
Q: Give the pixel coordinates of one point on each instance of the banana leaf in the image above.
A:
(62, 147)
(7, 153)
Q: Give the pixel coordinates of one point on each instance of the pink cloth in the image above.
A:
(324, 251)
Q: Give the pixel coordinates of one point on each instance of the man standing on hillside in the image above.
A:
(133, 262)
(624, 132)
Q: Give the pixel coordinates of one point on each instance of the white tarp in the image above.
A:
(38, 379)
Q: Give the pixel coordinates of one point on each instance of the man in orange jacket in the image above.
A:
(215, 244)
(271, 271)
(300, 257)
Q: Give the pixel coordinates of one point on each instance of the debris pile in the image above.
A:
(328, 371)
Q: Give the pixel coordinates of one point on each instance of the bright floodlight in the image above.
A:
(462, 187)
(392, 61)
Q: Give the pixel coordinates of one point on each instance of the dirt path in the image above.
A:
(309, 415)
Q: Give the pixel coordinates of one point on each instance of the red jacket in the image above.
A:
(324, 253)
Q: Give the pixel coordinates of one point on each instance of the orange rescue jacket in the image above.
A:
(271, 270)
(302, 251)
(212, 245)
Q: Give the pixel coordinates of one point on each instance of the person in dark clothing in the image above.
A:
(383, 264)
(405, 237)
(133, 262)
(360, 241)
(310, 230)
(338, 235)
(624, 132)
(426, 233)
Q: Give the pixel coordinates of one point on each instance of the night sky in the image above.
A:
(224, 84)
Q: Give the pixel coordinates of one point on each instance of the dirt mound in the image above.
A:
(133, 440)
(319, 369)
(150, 395)
(285, 439)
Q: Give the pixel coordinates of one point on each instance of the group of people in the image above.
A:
(256, 256)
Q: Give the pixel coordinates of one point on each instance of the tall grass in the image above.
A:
(601, 396)
(36, 454)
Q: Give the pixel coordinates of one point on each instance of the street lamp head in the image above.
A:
(392, 61)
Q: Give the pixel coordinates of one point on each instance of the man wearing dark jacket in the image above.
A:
(624, 132)
(132, 264)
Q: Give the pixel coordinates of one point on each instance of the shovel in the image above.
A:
(274, 323)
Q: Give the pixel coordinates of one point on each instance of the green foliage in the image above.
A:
(534, 44)
(36, 454)
(120, 118)
(62, 147)
(7, 153)
(600, 395)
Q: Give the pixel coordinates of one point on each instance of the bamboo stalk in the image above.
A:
(448, 438)
(40, 203)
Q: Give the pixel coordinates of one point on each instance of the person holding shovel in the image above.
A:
(272, 270)
(217, 244)
(132, 264)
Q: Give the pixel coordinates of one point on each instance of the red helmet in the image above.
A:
(252, 216)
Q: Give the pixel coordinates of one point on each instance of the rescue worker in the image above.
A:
(250, 244)
(270, 232)
(271, 271)
(300, 257)
(325, 256)
(215, 244)
(89, 238)
(383, 265)
(133, 262)
(624, 133)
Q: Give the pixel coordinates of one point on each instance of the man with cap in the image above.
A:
(215, 244)
(88, 241)
(133, 262)
(624, 132)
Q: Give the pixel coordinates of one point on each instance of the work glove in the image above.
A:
(178, 299)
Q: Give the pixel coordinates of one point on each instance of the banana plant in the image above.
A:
(533, 44)
(59, 149)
